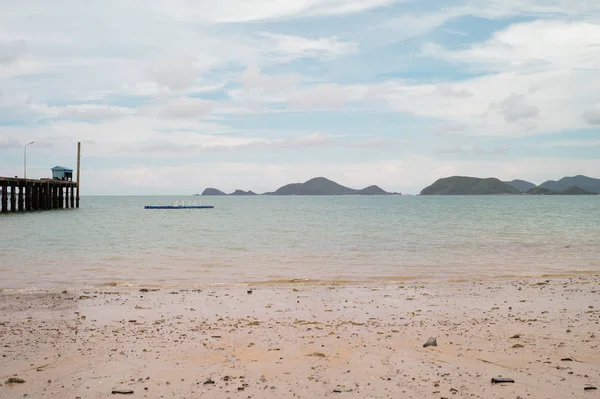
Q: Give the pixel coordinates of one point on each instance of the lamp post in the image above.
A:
(25, 159)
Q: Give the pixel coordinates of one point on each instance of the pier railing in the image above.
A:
(34, 195)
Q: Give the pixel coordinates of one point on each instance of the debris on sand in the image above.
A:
(317, 354)
(500, 380)
(15, 380)
(119, 392)
(430, 342)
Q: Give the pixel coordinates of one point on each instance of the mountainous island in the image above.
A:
(464, 185)
(521, 185)
(586, 183)
(573, 190)
(314, 186)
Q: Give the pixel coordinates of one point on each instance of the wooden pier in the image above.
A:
(19, 195)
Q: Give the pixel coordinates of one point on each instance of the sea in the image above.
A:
(114, 241)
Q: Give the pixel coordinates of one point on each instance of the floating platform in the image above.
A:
(178, 207)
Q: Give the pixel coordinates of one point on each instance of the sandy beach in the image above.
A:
(306, 341)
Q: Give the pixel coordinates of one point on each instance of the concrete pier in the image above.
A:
(20, 195)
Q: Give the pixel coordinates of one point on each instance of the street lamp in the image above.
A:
(25, 159)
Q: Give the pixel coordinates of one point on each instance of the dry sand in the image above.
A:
(307, 341)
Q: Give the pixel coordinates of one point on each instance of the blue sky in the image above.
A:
(172, 97)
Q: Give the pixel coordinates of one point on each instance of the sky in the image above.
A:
(173, 97)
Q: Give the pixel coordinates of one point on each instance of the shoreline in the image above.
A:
(307, 282)
(363, 340)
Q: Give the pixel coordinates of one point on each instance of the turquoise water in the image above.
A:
(262, 239)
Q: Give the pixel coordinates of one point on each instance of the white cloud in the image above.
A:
(186, 107)
(515, 108)
(592, 116)
(94, 112)
(287, 47)
(531, 46)
(253, 78)
(9, 143)
(569, 143)
(11, 51)
(176, 72)
(325, 96)
(245, 11)
(448, 90)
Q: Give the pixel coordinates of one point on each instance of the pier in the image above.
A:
(19, 195)
(59, 192)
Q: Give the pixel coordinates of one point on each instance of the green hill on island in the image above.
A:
(573, 190)
(586, 183)
(540, 191)
(315, 186)
(464, 185)
(242, 192)
(521, 185)
(212, 191)
(323, 186)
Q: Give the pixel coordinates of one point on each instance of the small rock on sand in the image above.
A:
(430, 342)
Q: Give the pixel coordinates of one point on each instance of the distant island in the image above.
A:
(586, 183)
(572, 190)
(453, 185)
(314, 186)
(464, 185)
(521, 185)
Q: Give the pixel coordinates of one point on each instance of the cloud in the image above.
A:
(245, 11)
(174, 72)
(11, 51)
(252, 78)
(569, 143)
(312, 140)
(9, 142)
(514, 108)
(592, 116)
(473, 150)
(449, 128)
(93, 112)
(287, 47)
(448, 90)
(186, 107)
(557, 44)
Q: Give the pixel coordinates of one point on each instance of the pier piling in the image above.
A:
(4, 186)
(34, 195)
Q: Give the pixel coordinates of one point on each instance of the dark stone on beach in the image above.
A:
(430, 342)
(15, 380)
(120, 392)
(249, 291)
(64, 292)
(337, 390)
(590, 388)
(566, 359)
(144, 290)
(209, 382)
(499, 380)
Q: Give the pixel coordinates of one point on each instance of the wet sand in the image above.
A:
(307, 341)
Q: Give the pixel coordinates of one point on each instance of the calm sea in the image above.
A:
(113, 240)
